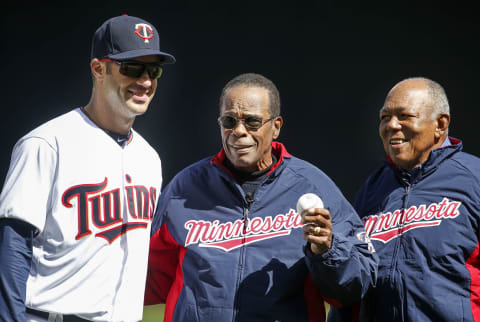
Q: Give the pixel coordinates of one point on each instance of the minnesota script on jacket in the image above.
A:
(387, 226)
(230, 235)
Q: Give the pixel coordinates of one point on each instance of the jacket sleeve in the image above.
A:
(349, 268)
(165, 257)
(163, 263)
(16, 240)
(353, 312)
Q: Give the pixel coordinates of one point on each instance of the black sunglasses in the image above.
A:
(251, 122)
(135, 69)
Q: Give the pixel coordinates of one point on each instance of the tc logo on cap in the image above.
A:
(144, 31)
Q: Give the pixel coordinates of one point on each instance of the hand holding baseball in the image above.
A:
(317, 222)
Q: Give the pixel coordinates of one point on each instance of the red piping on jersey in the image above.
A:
(278, 149)
(130, 137)
(473, 266)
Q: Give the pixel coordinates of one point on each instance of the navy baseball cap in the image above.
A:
(126, 37)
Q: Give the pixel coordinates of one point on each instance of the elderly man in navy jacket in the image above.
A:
(421, 210)
(227, 241)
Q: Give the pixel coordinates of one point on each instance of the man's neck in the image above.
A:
(446, 142)
(107, 119)
(244, 176)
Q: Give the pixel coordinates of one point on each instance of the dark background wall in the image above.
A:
(333, 62)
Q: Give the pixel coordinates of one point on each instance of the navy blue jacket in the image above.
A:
(425, 228)
(216, 257)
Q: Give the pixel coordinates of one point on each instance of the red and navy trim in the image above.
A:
(278, 149)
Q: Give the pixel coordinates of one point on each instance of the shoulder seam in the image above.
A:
(38, 138)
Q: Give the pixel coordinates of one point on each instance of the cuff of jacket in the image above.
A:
(328, 256)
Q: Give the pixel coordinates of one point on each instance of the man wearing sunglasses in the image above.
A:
(79, 197)
(227, 243)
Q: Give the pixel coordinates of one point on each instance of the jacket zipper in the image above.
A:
(398, 241)
(241, 263)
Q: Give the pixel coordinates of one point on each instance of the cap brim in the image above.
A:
(164, 57)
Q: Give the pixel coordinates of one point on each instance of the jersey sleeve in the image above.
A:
(16, 239)
(27, 187)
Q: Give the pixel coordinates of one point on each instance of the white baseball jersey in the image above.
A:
(93, 202)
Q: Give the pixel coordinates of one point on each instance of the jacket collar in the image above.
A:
(436, 157)
(277, 148)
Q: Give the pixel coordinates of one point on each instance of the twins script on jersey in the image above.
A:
(104, 208)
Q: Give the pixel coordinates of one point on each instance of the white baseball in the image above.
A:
(307, 201)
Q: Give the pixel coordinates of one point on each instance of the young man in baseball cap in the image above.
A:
(81, 190)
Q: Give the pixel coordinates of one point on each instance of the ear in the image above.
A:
(277, 125)
(98, 69)
(443, 121)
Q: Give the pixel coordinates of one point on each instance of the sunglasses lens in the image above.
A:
(228, 122)
(253, 123)
(132, 69)
(155, 71)
(136, 70)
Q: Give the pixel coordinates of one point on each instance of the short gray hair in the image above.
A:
(255, 80)
(438, 97)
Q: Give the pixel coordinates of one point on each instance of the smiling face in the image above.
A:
(127, 95)
(249, 150)
(409, 128)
